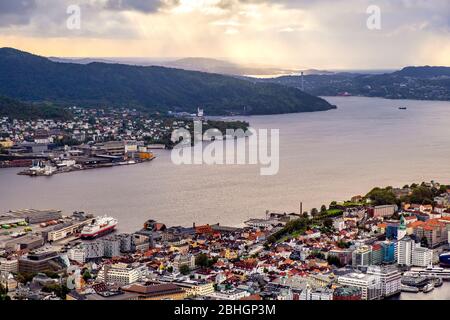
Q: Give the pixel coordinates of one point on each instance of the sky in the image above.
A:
(323, 34)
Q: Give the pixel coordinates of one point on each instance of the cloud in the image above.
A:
(316, 33)
(146, 6)
(16, 12)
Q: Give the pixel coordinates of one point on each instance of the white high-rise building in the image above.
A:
(404, 251)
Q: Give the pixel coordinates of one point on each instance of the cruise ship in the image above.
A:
(99, 226)
(444, 259)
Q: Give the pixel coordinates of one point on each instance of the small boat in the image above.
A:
(402, 108)
(429, 287)
(406, 288)
(438, 282)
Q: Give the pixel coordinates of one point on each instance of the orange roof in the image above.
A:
(416, 224)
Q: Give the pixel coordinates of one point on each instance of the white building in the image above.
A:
(370, 285)
(422, 257)
(339, 224)
(197, 288)
(404, 251)
(390, 279)
(316, 294)
(119, 273)
(411, 254)
(11, 265)
(94, 249)
(231, 295)
(77, 254)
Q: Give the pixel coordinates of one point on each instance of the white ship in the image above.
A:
(99, 226)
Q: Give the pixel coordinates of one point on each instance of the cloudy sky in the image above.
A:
(290, 33)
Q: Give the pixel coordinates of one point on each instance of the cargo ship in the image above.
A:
(444, 259)
(99, 227)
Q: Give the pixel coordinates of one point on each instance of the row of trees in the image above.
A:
(420, 194)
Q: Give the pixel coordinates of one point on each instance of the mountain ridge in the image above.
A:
(28, 77)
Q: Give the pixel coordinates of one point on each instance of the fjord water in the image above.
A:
(324, 156)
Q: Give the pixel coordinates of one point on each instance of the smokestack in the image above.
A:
(301, 208)
(303, 81)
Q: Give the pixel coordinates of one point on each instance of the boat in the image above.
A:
(414, 280)
(402, 108)
(429, 287)
(406, 288)
(99, 227)
(438, 282)
(444, 259)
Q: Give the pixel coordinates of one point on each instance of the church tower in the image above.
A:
(401, 232)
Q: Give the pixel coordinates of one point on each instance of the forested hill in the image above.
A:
(18, 110)
(33, 78)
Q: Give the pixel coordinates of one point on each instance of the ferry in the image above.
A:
(99, 227)
(402, 108)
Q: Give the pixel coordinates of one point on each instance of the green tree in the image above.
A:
(380, 196)
(184, 269)
(25, 277)
(333, 260)
(323, 209)
(201, 260)
(59, 290)
(87, 275)
(314, 212)
(4, 293)
(328, 222)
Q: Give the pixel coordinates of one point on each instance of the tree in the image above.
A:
(328, 222)
(59, 290)
(314, 212)
(424, 242)
(87, 275)
(380, 196)
(4, 293)
(25, 277)
(305, 215)
(333, 260)
(201, 260)
(323, 209)
(342, 244)
(184, 269)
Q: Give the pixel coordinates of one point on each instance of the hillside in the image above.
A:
(419, 83)
(18, 110)
(32, 78)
